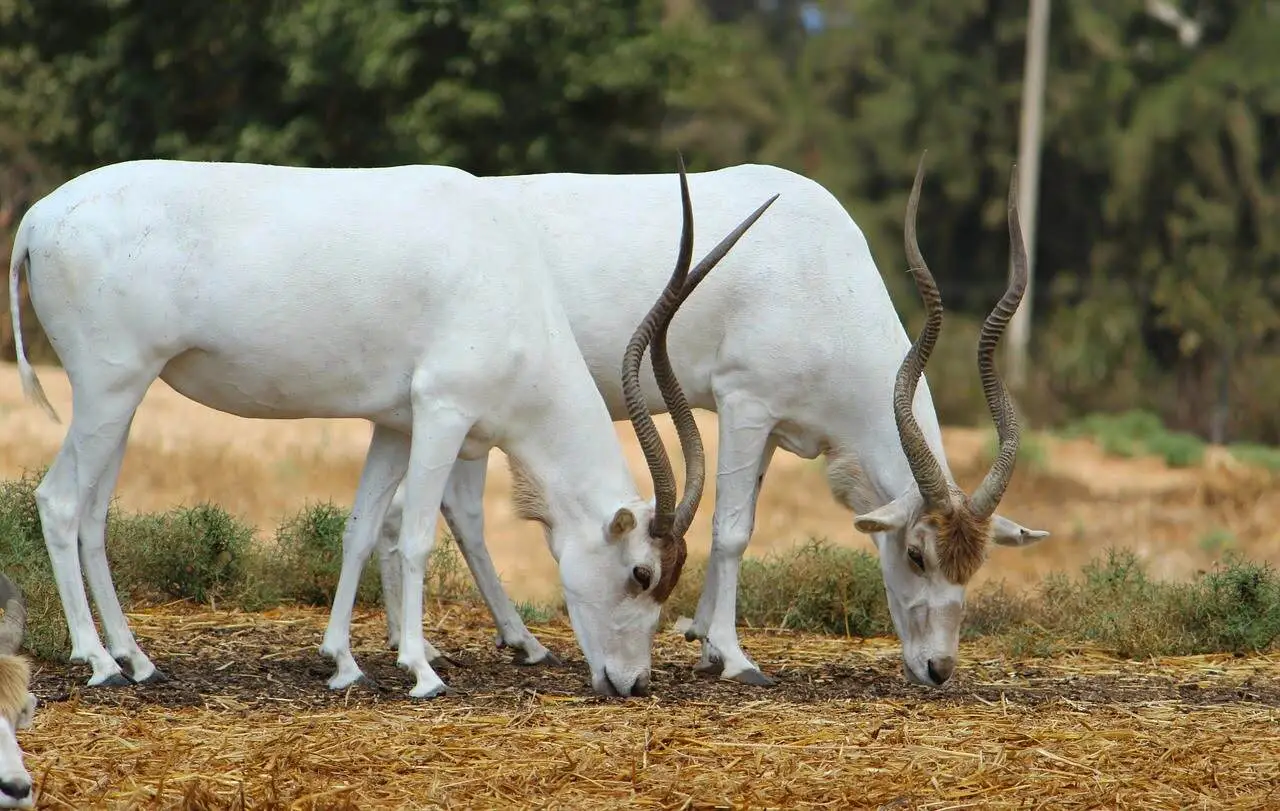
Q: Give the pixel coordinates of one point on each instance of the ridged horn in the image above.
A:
(924, 465)
(987, 497)
(672, 519)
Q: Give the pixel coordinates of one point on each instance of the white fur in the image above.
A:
(414, 297)
(794, 341)
(17, 710)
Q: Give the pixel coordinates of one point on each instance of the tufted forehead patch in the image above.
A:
(962, 543)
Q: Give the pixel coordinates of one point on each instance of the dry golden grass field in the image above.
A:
(247, 723)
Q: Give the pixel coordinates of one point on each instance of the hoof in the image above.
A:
(365, 681)
(713, 668)
(691, 635)
(338, 685)
(521, 658)
(114, 680)
(442, 690)
(157, 677)
(753, 678)
(440, 661)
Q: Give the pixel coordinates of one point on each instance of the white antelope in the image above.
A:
(415, 297)
(795, 345)
(17, 704)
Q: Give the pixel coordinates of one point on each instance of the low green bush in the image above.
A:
(307, 558)
(1263, 456)
(1232, 608)
(816, 586)
(1136, 432)
(196, 553)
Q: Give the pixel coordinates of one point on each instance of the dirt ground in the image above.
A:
(246, 722)
(263, 470)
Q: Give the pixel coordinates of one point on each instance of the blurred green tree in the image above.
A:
(492, 86)
(1157, 282)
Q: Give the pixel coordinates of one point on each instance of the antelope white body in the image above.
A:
(795, 343)
(414, 297)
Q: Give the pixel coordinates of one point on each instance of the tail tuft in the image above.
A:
(30, 383)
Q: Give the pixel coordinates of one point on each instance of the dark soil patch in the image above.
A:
(260, 665)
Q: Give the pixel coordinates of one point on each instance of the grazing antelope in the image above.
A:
(415, 297)
(17, 704)
(795, 345)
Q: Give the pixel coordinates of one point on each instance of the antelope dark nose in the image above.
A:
(641, 687)
(941, 669)
(638, 688)
(17, 791)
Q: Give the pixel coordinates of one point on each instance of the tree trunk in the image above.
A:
(1221, 411)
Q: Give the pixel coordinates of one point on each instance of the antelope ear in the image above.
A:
(889, 518)
(623, 522)
(1010, 533)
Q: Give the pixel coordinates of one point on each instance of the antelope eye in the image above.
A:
(642, 575)
(916, 556)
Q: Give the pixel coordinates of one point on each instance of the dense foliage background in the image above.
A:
(1156, 259)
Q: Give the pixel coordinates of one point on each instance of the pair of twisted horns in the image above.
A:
(924, 465)
(14, 623)
(672, 520)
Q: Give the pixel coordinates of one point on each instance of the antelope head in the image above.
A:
(933, 538)
(615, 621)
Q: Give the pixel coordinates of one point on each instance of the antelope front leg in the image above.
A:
(463, 509)
(438, 433)
(384, 466)
(745, 451)
(389, 571)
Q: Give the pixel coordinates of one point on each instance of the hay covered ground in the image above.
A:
(247, 722)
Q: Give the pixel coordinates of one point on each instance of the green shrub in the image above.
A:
(448, 578)
(1178, 448)
(996, 610)
(195, 552)
(308, 558)
(536, 613)
(1263, 456)
(306, 562)
(1217, 540)
(813, 587)
(1234, 608)
(1136, 432)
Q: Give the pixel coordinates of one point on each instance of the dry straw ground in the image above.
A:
(247, 722)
